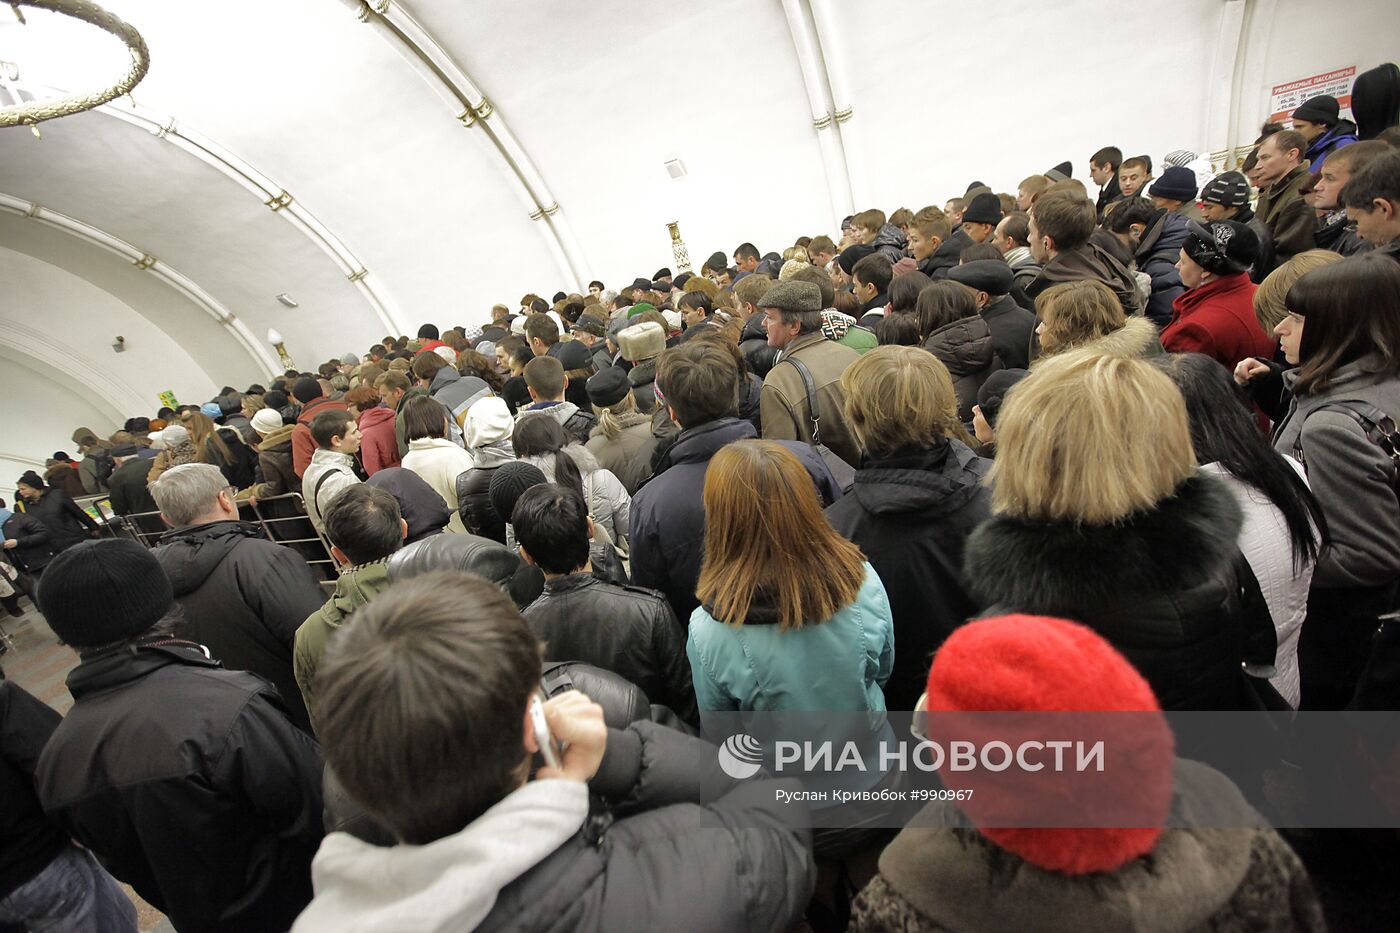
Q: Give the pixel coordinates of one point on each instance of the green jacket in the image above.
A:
(353, 590)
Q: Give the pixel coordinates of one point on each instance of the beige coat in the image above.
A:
(783, 405)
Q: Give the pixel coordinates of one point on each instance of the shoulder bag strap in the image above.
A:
(812, 407)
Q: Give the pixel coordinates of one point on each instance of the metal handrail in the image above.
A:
(136, 526)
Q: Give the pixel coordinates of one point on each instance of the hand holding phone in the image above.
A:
(574, 732)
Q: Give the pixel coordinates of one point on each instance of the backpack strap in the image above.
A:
(812, 407)
(1380, 429)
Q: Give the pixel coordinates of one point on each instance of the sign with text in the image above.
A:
(1286, 97)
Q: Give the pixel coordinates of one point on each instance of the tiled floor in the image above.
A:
(39, 664)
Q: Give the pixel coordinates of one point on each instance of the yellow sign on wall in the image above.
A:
(167, 400)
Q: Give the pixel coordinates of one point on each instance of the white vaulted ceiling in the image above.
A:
(402, 206)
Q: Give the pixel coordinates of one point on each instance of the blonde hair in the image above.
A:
(1075, 313)
(1090, 439)
(793, 556)
(252, 404)
(796, 252)
(1269, 297)
(608, 415)
(901, 398)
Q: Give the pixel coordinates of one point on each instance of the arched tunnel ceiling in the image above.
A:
(599, 96)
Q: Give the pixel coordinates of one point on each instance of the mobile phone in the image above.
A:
(549, 749)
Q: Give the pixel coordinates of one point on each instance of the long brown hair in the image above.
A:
(1351, 312)
(765, 534)
(205, 434)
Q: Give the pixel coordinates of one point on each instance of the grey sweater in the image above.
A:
(1349, 475)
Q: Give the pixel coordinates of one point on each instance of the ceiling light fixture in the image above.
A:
(30, 113)
(287, 300)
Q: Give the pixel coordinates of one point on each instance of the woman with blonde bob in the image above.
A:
(1075, 314)
(791, 616)
(1101, 516)
(918, 495)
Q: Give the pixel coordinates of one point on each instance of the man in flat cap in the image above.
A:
(1011, 324)
(792, 317)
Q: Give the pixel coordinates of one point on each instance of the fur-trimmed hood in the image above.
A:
(1135, 339)
(1061, 567)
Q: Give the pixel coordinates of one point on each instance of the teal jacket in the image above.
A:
(840, 664)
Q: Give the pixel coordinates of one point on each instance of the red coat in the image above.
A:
(1217, 319)
(429, 346)
(303, 444)
(378, 446)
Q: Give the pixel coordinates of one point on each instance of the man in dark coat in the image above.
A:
(1155, 235)
(1011, 324)
(701, 385)
(243, 596)
(450, 661)
(624, 629)
(67, 523)
(1281, 210)
(126, 488)
(46, 882)
(28, 542)
(187, 780)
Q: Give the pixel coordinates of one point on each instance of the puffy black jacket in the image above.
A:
(675, 844)
(1159, 586)
(472, 554)
(668, 512)
(190, 784)
(243, 598)
(911, 516)
(1157, 255)
(67, 523)
(474, 502)
(28, 839)
(628, 630)
(968, 349)
(1012, 327)
(35, 547)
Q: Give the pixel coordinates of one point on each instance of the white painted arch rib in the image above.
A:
(172, 277)
(268, 191)
(397, 25)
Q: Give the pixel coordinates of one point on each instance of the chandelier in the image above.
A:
(28, 113)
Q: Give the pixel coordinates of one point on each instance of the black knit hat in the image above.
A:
(717, 262)
(984, 209)
(1060, 172)
(1176, 183)
(306, 390)
(31, 479)
(1230, 189)
(1320, 109)
(680, 280)
(1224, 247)
(993, 392)
(643, 284)
(851, 255)
(608, 387)
(573, 354)
(509, 482)
(100, 592)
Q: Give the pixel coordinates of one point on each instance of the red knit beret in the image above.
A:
(1022, 663)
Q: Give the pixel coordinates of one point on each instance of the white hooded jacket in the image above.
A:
(448, 885)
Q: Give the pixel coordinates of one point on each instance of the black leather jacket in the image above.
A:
(628, 630)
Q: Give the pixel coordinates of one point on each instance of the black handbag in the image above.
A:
(843, 472)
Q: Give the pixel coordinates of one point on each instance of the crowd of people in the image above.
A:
(1131, 449)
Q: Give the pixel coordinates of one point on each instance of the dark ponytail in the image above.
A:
(540, 435)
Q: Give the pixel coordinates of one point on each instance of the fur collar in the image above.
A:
(1056, 567)
(1137, 338)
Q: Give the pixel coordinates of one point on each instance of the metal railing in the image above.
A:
(282, 519)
